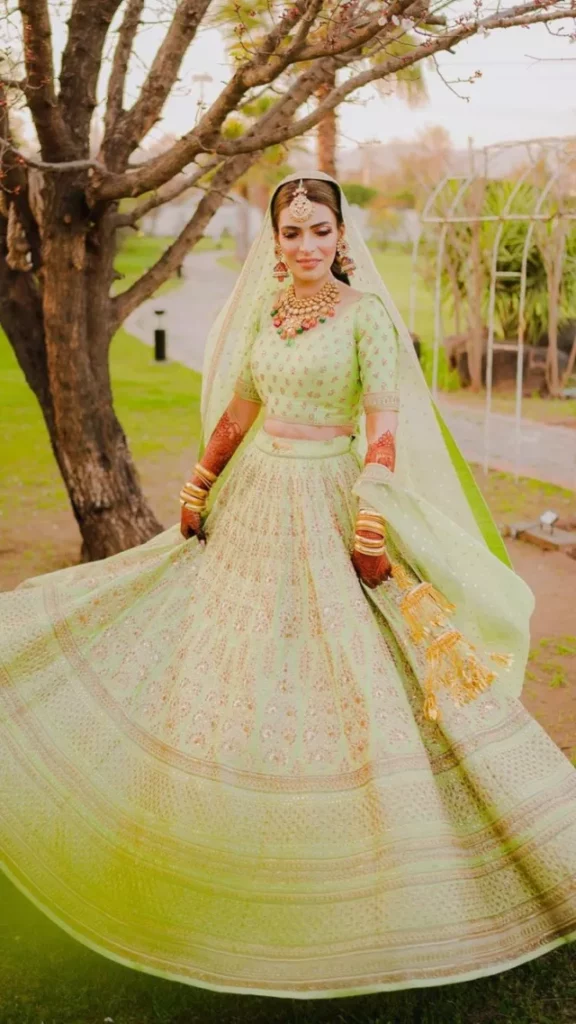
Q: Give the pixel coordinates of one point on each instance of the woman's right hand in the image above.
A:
(191, 524)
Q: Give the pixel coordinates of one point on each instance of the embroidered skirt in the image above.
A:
(216, 766)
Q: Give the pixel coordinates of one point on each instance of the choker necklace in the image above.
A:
(293, 316)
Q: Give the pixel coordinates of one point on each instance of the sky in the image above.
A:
(527, 89)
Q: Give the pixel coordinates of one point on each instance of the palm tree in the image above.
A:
(408, 84)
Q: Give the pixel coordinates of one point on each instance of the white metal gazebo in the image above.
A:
(542, 191)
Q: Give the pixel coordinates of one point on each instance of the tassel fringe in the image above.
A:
(424, 607)
(402, 577)
(452, 663)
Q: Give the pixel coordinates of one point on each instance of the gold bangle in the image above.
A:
(368, 551)
(365, 549)
(204, 469)
(367, 524)
(373, 549)
(370, 514)
(206, 474)
(188, 497)
(372, 519)
(192, 508)
(189, 485)
(194, 492)
(370, 541)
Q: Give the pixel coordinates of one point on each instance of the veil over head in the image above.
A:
(432, 495)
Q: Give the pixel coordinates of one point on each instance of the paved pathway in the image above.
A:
(190, 309)
(544, 452)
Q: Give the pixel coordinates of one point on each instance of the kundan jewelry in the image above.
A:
(292, 316)
(347, 264)
(300, 208)
(280, 267)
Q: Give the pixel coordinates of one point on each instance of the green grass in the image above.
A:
(157, 404)
(512, 500)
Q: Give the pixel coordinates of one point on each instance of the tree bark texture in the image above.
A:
(327, 132)
(61, 340)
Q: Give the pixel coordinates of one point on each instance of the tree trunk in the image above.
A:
(554, 278)
(327, 132)
(66, 363)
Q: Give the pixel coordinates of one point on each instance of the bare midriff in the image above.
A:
(284, 428)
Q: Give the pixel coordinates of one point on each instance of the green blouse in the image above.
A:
(327, 373)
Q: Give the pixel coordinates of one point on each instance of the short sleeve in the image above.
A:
(377, 348)
(245, 386)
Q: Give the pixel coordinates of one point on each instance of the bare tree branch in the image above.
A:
(171, 259)
(230, 171)
(158, 198)
(132, 126)
(122, 52)
(527, 14)
(52, 131)
(263, 68)
(88, 26)
(50, 165)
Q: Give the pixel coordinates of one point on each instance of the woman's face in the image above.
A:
(309, 248)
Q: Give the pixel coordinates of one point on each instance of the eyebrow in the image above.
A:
(317, 225)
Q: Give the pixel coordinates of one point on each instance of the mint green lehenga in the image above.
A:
(216, 763)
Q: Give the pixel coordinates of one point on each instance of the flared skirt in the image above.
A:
(215, 765)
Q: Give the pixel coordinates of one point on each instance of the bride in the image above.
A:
(279, 748)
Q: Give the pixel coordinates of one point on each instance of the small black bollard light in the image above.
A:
(159, 338)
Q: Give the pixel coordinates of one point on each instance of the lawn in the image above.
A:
(45, 976)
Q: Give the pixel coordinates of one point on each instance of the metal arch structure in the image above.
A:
(547, 164)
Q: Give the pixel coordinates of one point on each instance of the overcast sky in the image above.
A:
(519, 96)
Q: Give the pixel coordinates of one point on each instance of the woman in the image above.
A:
(279, 748)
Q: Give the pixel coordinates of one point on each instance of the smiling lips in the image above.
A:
(308, 263)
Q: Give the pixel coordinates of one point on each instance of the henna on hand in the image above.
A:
(223, 442)
(372, 569)
(225, 438)
(382, 450)
(191, 524)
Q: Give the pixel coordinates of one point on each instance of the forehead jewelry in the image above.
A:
(300, 207)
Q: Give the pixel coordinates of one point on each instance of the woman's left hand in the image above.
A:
(372, 569)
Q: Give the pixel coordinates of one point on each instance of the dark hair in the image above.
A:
(319, 191)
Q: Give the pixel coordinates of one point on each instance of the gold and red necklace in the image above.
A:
(293, 316)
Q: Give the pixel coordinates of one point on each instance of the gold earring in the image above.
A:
(280, 269)
(347, 264)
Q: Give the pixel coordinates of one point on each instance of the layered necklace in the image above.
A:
(293, 316)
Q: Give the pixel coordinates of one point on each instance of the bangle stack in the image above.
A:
(192, 496)
(368, 519)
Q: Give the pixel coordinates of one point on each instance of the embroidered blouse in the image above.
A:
(325, 375)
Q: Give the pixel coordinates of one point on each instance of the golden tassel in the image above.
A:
(402, 576)
(502, 659)
(431, 709)
(424, 607)
(453, 665)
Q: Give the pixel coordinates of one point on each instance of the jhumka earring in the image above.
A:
(280, 269)
(347, 264)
